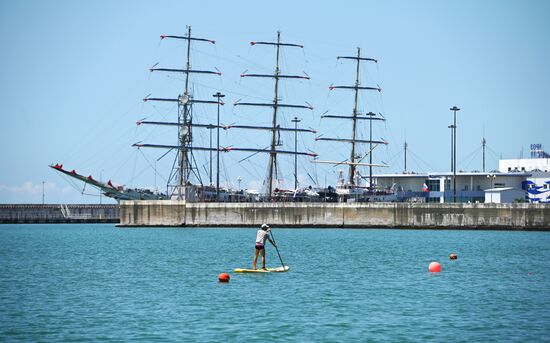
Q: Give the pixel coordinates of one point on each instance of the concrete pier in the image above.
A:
(58, 213)
(355, 215)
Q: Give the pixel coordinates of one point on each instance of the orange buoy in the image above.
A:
(224, 277)
(434, 267)
(453, 256)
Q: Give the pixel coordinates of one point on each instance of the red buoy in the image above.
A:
(434, 267)
(453, 256)
(224, 277)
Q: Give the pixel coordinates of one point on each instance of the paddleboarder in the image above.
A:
(261, 236)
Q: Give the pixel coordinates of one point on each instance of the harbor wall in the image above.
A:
(58, 213)
(346, 215)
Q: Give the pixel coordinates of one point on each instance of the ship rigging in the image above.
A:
(185, 181)
(356, 160)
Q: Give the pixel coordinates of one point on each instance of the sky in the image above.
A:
(74, 74)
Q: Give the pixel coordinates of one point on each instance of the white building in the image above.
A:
(538, 184)
(503, 195)
(437, 187)
(524, 164)
(525, 179)
(538, 187)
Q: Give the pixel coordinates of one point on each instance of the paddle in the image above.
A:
(276, 248)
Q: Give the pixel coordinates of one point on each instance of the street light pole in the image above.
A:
(210, 129)
(370, 148)
(296, 121)
(219, 96)
(492, 177)
(452, 149)
(454, 109)
(43, 192)
(239, 179)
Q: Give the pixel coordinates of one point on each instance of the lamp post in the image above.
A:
(296, 121)
(43, 182)
(210, 127)
(492, 178)
(452, 149)
(371, 115)
(239, 179)
(454, 109)
(219, 96)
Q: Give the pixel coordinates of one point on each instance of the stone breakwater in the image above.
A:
(339, 215)
(85, 213)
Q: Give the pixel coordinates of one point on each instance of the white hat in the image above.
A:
(265, 226)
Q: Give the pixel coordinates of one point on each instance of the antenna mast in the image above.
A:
(405, 146)
(296, 121)
(483, 144)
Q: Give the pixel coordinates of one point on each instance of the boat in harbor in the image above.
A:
(188, 182)
(108, 189)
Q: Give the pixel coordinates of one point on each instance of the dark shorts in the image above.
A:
(259, 247)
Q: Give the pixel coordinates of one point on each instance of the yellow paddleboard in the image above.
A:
(268, 270)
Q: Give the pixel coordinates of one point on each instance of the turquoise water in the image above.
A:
(99, 283)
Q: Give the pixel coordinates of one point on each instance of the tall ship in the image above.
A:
(186, 182)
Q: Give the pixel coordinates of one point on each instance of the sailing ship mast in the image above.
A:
(275, 128)
(185, 120)
(356, 160)
(181, 174)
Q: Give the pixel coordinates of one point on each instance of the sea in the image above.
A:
(84, 283)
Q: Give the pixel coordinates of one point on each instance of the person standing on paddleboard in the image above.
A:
(261, 236)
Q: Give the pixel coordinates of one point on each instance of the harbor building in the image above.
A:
(503, 195)
(437, 187)
(538, 166)
(516, 180)
(539, 161)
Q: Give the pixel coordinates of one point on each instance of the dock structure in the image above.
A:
(177, 213)
(173, 213)
(58, 213)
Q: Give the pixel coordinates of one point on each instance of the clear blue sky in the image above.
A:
(74, 73)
